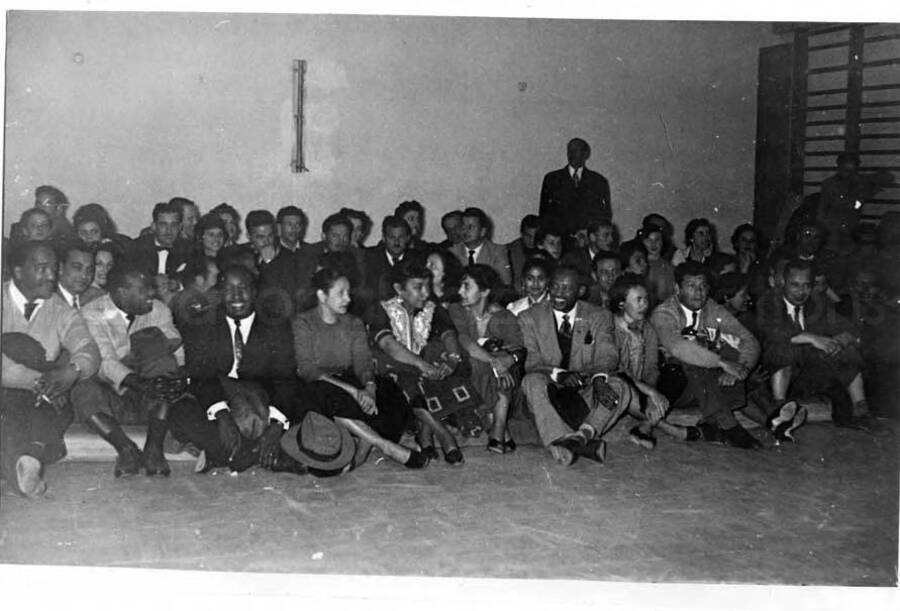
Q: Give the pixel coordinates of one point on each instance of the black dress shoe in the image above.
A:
(430, 452)
(510, 445)
(710, 431)
(594, 450)
(738, 437)
(128, 462)
(454, 457)
(155, 463)
(692, 433)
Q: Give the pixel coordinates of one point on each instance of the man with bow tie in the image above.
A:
(810, 349)
(164, 252)
(568, 382)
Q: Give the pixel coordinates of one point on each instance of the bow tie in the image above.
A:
(163, 248)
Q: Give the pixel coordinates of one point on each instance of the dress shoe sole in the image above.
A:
(28, 477)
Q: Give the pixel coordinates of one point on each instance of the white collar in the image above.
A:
(69, 297)
(246, 324)
(536, 301)
(476, 250)
(288, 246)
(572, 314)
(573, 171)
(689, 313)
(392, 259)
(790, 306)
(20, 300)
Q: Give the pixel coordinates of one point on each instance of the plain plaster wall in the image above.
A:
(397, 108)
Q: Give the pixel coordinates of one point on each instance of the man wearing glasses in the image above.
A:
(56, 204)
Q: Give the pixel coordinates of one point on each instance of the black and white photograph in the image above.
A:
(434, 307)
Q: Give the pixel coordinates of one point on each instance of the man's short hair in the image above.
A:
(582, 142)
(393, 222)
(336, 219)
(603, 255)
(530, 221)
(408, 269)
(25, 249)
(50, 192)
(548, 228)
(182, 203)
(240, 270)
(479, 214)
(166, 208)
(259, 218)
(120, 273)
(596, 224)
(72, 244)
(451, 214)
(797, 265)
(692, 268)
(291, 211)
(409, 206)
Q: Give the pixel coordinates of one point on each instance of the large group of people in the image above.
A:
(300, 357)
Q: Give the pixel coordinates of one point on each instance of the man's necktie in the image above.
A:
(471, 257)
(695, 315)
(564, 336)
(76, 303)
(29, 309)
(797, 310)
(238, 344)
(575, 178)
(130, 319)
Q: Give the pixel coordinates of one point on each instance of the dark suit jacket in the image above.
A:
(376, 282)
(593, 339)
(142, 252)
(492, 255)
(776, 327)
(268, 360)
(284, 282)
(575, 207)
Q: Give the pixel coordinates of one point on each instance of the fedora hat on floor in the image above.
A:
(320, 443)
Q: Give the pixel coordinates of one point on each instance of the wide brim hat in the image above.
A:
(149, 343)
(319, 442)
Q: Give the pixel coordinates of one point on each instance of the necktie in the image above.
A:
(471, 257)
(130, 319)
(564, 336)
(238, 344)
(29, 309)
(75, 302)
(575, 178)
(694, 316)
(797, 310)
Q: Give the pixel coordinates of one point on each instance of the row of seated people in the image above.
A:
(426, 344)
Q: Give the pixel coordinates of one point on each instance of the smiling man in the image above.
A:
(129, 307)
(241, 366)
(569, 383)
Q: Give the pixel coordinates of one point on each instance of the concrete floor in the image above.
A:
(823, 511)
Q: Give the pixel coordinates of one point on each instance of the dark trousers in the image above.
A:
(188, 424)
(29, 430)
(717, 402)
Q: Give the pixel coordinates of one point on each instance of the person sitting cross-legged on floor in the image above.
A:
(568, 383)
(809, 347)
(122, 392)
(47, 350)
(706, 345)
(638, 347)
(242, 371)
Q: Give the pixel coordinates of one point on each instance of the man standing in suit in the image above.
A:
(33, 410)
(163, 252)
(574, 194)
(476, 248)
(571, 356)
(112, 319)
(810, 348)
(242, 371)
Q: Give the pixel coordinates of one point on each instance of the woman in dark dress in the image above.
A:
(334, 359)
(491, 336)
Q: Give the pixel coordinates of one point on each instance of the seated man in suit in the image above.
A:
(476, 248)
(283, 276)
(809, 348)
(33, 410)
(164, 252)
(704, 344)
(292, 224)
(601, 236)
(336, 232)
(571, 356)
(76, 271)
(575, 194)
(521, 249)
(123, 392)
(242, 371)
(381, 259)
(451, 223)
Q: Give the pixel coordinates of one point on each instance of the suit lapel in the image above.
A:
(546, 322)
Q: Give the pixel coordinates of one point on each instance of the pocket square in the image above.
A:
(588, 338)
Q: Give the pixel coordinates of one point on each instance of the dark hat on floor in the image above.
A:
(148, 344)
(319, 442)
